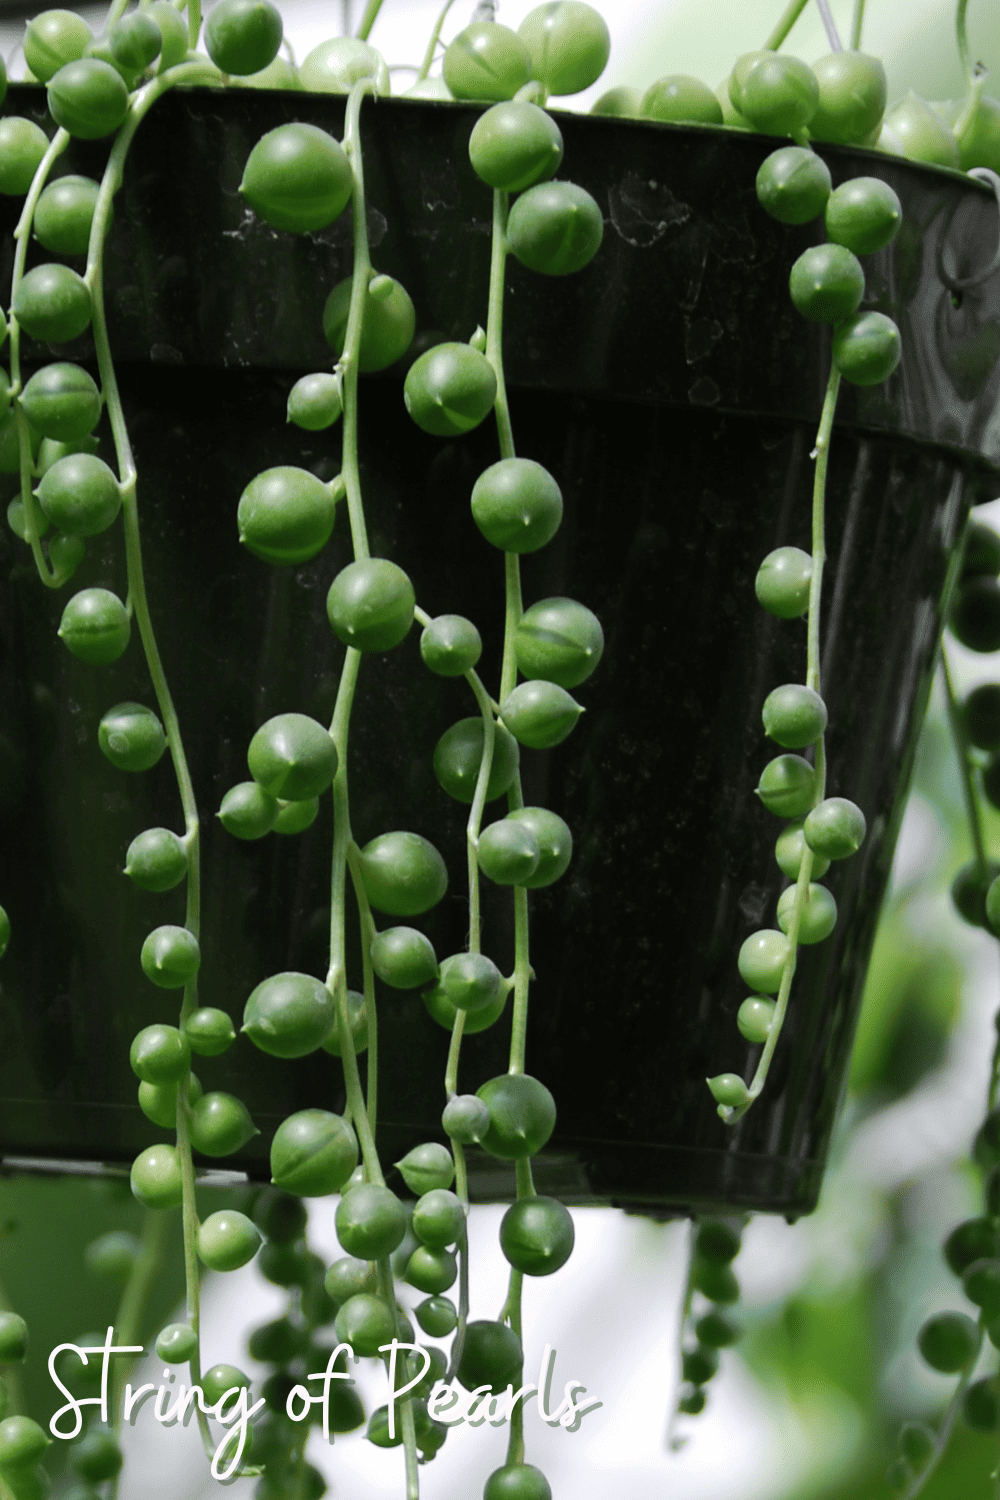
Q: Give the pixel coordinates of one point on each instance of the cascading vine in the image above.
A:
(827, 286)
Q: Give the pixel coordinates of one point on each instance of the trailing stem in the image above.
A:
(428, 61)
(345, 851)
(786, 21)
(857, 23)
(975, 76)
(947, 1423)
(821, 454)
(961, 739)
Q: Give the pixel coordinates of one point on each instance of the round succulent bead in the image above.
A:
(783, 582)
(426, 1167)
(491, 1356)
(348, 1276)
(220, 1380)
(370, 1221)
(569, 44)
(365, 1323)
(972, 1240)
(334, 66)
(981, 1406)
(789, 849)
(948, 1341)
(156, 860)
(522, 1115)
(555, 228)
(729, 1090)
(292, 757)
(618, 104)
(794, 716)
(88, 98)
(170, 956)
(486, 61)
(280, 1216)
(539, 714)
(62, 402)
(52, 38)
(313, 1153)
(863, 214)
(553, 839)
(247, 811)
(780, 94)
(156, 1177)
(80, 495)
(285, 515)
(438, 1218)
(403, 874)
(466, 1118)
(22, 1444)
(559, 640)
(131, 737)
(220, 1125)
(517, 505)
(289, 1015)
(852, 97)
(387, 323)
(370, 604)
(176, 1343)
(787, 786)
(866, 348)
(431, 1271)
(227, 1240)
(537, 1235)
(243, 36)
(819, 913)
(296, 817)
(981, 711)
(680, 98)
(827, 283)
(437, 1317)
(754, 1018)
(450, 645)
(95, 627)
(514, 145)
(507, 853)
(762, 960)
(135, 41)
(458, 756)
(22, 144)
(158, 1101)
(715, 1331)
(450, 389)
(470, 981)
(314, 402)
(209, 1031)
(835, 828)
(160, 1054)
(297, 177)
(443, 1011)
(980, 551)
(793, 185)
(404, 958)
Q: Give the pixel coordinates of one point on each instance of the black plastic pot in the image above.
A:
(674, 393)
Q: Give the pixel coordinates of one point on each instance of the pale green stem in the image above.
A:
(522, 976)
(478, 805)
(789, 16)
(368, 19)
(974, 79)
(336, 979)
(451, 1069)
(961, 739)
(428, 61)
(352, 338)
(856, 24)
(128, 1320)
(52, 578)
(682, 1321)
(388, 1295)
(494, 323)
(194, 22)
(116, 12)
(821, 453)
(367, 938)
(189, 1224)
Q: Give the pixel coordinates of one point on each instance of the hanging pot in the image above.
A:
(675, 394)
